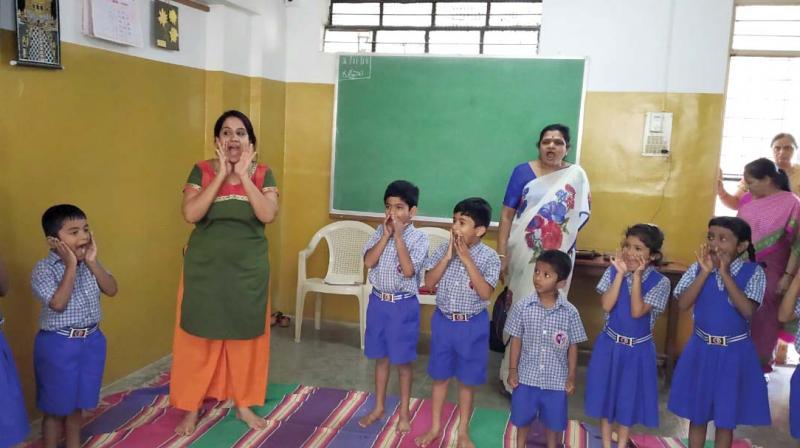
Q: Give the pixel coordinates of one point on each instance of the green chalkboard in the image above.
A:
(455, 126)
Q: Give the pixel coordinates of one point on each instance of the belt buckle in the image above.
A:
(78, 332)
(459, 317)
(718, 340)
(386, 297)
(624, 340)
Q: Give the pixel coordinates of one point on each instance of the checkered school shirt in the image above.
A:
(797, 336)
(387, 275)
(657, 297)
(754, 289)
(455, 293)
(546, 335)
(83, 308)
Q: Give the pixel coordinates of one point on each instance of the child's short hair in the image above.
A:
(651, 236)
(476, 208)
(403, 189)
(54, 217)
(740, 229)
(560, 262)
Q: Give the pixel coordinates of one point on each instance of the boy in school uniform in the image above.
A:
(545, 330)
(70, 350)
(394, 254)
(465, 271)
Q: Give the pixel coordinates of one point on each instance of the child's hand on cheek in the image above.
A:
(91, 251)
(397, 226)
(704, 258)
(643, 262)
(388, 226)
(724, 262)
(450, 245)
(619, 263)
(63, 251)
(461, 247)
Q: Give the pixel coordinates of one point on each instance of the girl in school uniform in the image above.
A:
(789, 311)
(13, 417)
(622, 383)
(718, 377)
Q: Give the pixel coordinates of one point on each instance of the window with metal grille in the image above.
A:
(763, 93)
(466, 27)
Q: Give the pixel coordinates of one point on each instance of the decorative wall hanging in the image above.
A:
(166, 25)
(38, 33)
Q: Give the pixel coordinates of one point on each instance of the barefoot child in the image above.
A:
(466, 272)
(69, 352)
(394, 255)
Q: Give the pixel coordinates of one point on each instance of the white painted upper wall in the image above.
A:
(643, 45)
(248, 41)
(630, 45)
(305, 60)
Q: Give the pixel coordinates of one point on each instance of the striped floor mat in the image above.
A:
(309, 417)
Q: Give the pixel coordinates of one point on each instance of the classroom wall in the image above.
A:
(116, 132)
(642, 55)
(136, 119)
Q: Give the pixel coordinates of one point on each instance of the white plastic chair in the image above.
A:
(345, 274)
(436, 236)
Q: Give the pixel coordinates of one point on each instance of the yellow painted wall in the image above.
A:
(116, 135)
(676, 192)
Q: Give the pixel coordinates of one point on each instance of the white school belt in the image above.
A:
(71, 332)
(392, 297)
(723, 341)
(625, 340)
(459, 317)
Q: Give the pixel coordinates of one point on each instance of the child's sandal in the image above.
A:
(284, 321)
(274, 318)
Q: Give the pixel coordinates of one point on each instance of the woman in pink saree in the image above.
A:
(545, 205)
(773, 214)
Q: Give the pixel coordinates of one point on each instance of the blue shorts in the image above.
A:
(392, 330)
(69, 371)
(14, 426)
(529, 403)
(459, 349)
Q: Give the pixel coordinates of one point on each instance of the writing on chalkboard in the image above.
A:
(355, 67)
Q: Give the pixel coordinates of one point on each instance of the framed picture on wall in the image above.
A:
(166, 26)
(38, 33)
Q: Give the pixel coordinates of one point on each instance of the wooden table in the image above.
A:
(597, 265)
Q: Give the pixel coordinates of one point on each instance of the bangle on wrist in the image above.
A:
(512, 368)
(788, 273)
(501, 255)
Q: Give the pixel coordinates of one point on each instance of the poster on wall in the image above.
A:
(113, 20)
(38, 33)
(166, 25)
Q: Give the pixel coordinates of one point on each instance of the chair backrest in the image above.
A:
(436, 237)
(346, 241)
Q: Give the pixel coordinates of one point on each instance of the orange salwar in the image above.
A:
(227, 369)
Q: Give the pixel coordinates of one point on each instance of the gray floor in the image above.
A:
(331, 357)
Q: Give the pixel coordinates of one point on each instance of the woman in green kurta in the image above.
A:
(221, 346)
